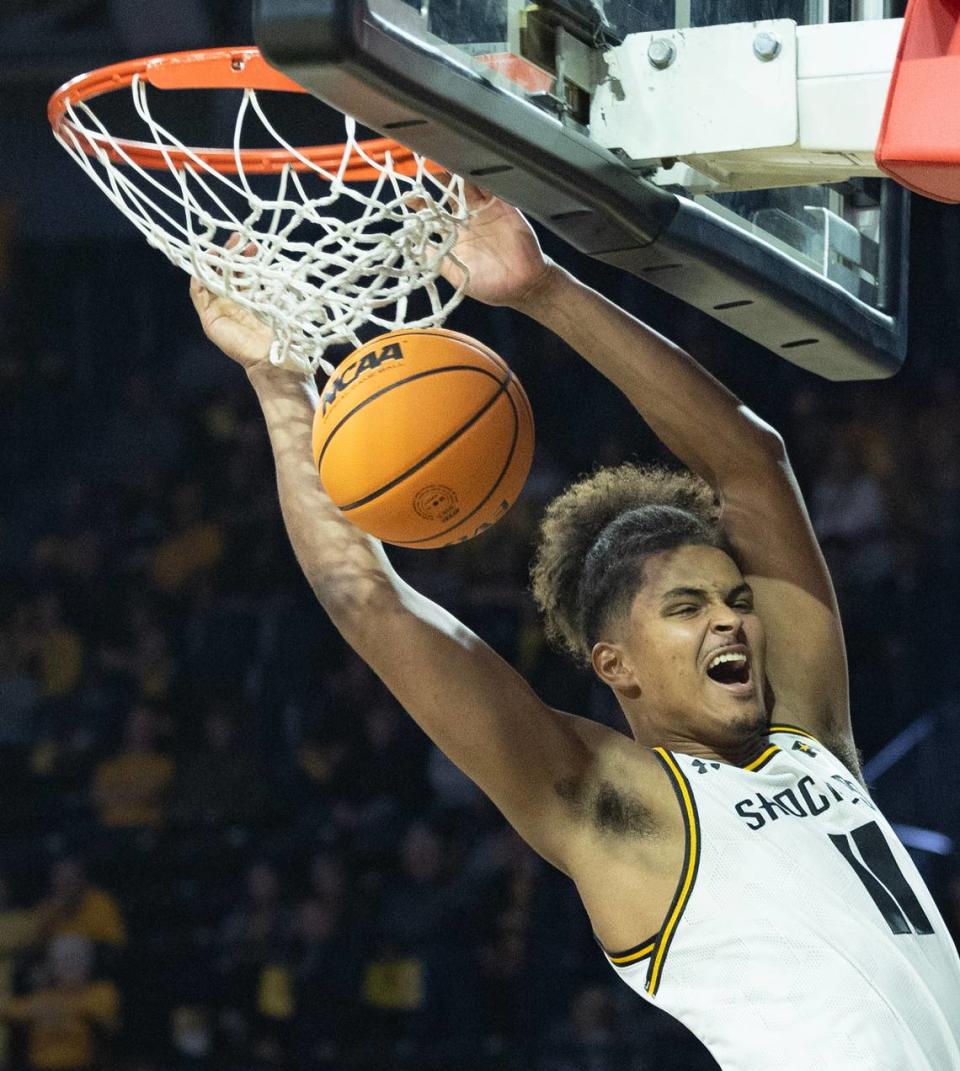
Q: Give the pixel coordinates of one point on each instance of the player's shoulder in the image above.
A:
(838, 745)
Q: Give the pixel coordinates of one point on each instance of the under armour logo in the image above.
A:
(806, 748)
(701, 766)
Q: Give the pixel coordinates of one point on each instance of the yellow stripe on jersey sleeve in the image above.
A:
(793, 729)
(688, 874)
(632, 957)
(763, 759)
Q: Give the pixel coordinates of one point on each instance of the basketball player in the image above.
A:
(733, 866)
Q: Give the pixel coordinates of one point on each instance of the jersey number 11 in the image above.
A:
(883, 879)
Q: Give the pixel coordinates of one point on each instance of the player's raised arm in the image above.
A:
(717, 437)
(529, 758)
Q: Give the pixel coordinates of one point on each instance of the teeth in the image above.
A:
(731, 657)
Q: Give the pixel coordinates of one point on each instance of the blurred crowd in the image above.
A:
(222, 844)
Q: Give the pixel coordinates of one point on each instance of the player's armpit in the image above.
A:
(765, 518)
(535, 763)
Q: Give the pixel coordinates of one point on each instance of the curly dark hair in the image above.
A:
(595, 537)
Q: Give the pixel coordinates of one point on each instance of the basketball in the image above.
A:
(423, 438)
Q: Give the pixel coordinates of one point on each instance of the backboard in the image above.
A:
(687, 141)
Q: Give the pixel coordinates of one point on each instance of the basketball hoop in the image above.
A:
(315, 258)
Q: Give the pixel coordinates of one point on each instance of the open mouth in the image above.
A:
(730, 669)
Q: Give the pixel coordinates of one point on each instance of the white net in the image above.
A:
(317, 258)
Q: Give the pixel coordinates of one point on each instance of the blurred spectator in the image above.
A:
(512, 871)
(20, 703)
(71, 731)
(592, 1038)
(329, 729)
(323, 979)
(141, 438)
(195, 542)
(527, 977)
(192, 1037)
(18, 933)
(220, 637)
(381, 779)
(70, 1016)
(417, 984)
(57, 647)
(70, 551)
(491, 596)
(850, 518)
(330, 881)
(19, 690)
(253, 935)
(451, 787)
(130, 789)
(219, 783)
(144, 661)
(932, 468)
(74, 905)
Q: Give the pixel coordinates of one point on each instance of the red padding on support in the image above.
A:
(919, 143)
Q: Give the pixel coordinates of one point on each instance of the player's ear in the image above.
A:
(610, 665)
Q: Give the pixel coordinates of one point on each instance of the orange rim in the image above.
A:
(221, 68)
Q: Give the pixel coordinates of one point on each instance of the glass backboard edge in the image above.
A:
(397, 85)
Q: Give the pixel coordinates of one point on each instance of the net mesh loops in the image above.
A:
(316, 258)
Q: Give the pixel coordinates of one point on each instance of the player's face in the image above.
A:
(696, 646)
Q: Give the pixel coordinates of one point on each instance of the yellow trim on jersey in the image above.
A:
(691, 861)
(793, 729)
(763, 759)
(641, 953)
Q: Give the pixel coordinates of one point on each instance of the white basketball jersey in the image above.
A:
(801, 934)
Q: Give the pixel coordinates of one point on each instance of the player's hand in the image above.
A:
(228, 325)
(501, 252)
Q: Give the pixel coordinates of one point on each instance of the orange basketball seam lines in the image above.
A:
(437, 450)
(389, 387)
(486, 498)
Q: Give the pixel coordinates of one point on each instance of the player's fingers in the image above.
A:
(235, 239)
(473, 196)
(199, 294)
(476, 196)
(445, 177)
(450, 266)
(446, 180)
(417, 202)
(224, 266)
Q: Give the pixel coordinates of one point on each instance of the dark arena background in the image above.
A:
(214, 823)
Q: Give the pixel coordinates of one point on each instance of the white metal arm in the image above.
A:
(750, 105)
